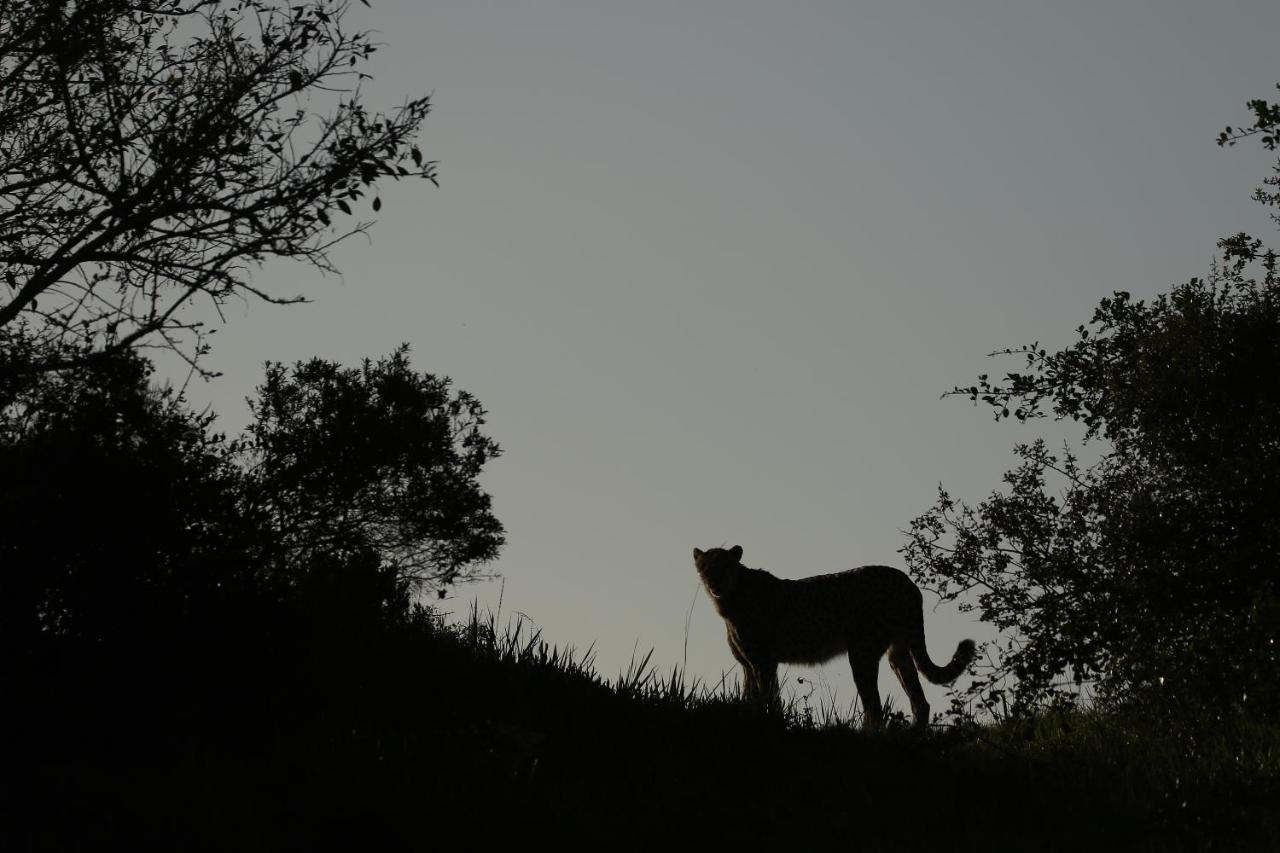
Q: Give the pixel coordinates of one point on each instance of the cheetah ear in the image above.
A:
(736, 553)
(697, 553)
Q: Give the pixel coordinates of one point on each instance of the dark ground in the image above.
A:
(417, 738)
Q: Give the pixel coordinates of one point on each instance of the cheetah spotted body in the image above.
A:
(862, 612)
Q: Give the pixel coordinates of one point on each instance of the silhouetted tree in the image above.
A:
(128, 519)
(115, 501)
(153, 152)
(1152, 574)
(377, 458)
(1241, 248)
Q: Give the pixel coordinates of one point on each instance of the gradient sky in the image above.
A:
(709, 266)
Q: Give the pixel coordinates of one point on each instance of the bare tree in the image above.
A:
(154, 152)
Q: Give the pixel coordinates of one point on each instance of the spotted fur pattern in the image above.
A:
(862, 612)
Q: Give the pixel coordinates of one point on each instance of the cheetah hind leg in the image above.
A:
(905, 668)
(866, 668)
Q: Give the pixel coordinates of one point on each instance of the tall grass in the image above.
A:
(1187, 785)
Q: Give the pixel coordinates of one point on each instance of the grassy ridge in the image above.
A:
(423, 732)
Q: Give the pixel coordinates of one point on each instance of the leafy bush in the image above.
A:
(1150, 575)
(128, 517)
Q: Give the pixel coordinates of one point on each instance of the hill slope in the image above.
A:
(422, 733)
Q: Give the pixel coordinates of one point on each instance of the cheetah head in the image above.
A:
(719, 569)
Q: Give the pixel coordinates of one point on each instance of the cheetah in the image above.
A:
(864, 612)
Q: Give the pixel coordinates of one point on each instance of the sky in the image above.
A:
(710, 266)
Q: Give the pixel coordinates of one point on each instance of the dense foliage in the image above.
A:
(1152, 574)
(128, 518)
(379, 458)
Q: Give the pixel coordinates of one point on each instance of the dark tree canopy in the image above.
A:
(1151, 575)
(116, 501)
(375, 457)
(128, 517)
(153, 153)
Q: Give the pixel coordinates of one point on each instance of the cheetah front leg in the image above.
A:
(770, 695)
(866, 669)
(759, 674)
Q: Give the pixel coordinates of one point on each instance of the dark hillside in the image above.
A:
(424, 733)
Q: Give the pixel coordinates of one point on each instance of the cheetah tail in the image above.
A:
(942, 674)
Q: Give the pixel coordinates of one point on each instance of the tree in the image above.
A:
(377, 458)
(127, 517)
(154, 152)
(120, 508)
(1242, 249)
(1151, 575)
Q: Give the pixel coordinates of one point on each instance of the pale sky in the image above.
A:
(709, 266)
